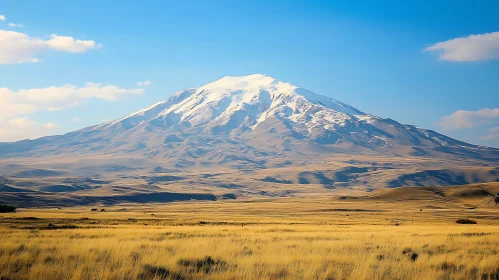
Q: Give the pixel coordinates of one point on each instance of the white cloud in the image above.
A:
(491, 136)
(493, 129)
(144, 83)
(493, 133)
(76, 119)
(69, 44)
(15, 24)
(16, 47)
(29, 101)
(14, 105)
(471, 48)
(2, 17)
(468, 119)
(24, 128)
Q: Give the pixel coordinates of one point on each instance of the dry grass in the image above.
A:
(281, 239)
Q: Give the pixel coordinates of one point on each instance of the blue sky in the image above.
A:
(370, 54)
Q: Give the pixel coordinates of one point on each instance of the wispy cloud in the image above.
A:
(18, 47)
(144, 83)
(493, 129)
(471, 48)
(24, 128)
(493, 133)
(69, 44)
(29, 101)
(15, 105)
(468, 119)
(15, 24)
(2, 17)
(490, 136)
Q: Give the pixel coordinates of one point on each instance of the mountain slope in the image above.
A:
(249, 121)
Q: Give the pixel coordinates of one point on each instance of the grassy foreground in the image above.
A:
(282, 239)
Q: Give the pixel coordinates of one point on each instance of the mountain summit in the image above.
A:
(245, 104)
(249, 120)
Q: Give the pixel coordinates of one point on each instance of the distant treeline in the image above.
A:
(4, 208)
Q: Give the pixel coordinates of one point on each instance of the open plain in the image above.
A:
(404, 233)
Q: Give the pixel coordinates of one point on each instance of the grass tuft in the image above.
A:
(158, 272)
(206, 264)
(466, 221)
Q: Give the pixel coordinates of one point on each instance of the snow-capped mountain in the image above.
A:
(249, 119)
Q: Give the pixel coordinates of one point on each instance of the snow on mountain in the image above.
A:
(250, 119)
(249, 99)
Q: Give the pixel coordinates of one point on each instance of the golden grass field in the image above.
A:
(393, 234)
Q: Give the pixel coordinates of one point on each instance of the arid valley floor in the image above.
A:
(403, 233)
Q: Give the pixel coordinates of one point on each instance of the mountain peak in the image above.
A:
(257, 115)
(256, 76)
(245, 102)
(243, 82)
